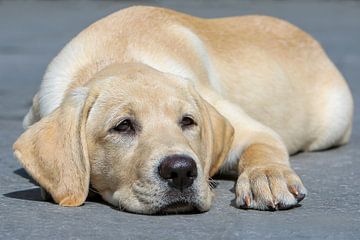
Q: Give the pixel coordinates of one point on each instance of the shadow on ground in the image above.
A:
(34, 194)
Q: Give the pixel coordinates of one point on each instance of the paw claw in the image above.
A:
(293, 190)
(300, 197)
(271, 206)
(247, 201)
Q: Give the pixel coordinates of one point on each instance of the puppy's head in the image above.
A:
(145, 140)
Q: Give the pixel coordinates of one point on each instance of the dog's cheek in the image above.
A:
(127, 201)
(102, 177)
(205, 200)
(205, 195)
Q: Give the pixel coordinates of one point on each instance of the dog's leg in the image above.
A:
(266, 180)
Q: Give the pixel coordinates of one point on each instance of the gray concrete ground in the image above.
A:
(32, 32)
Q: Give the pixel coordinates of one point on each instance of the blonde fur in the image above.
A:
(263, 87)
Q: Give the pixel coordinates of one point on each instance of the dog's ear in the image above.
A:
(217, 134)
(220, 134)
(54, 150)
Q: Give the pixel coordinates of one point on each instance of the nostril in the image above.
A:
(174, 175)
(191, 174)
(179, 170)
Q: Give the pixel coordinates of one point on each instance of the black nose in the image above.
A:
(179, 170)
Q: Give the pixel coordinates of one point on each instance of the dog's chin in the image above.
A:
(178, 207)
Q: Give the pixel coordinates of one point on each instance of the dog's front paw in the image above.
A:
(269, 187)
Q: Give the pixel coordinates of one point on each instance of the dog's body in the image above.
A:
(272, 82)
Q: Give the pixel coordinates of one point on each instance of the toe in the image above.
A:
(298, 192)
(243, 192)
(263, 198)
(295, 186)
(283, 198)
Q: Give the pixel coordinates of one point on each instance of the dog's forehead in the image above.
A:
(148, 91)
(139, 80)
(142, 89)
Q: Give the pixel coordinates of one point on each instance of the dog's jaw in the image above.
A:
(196, 200)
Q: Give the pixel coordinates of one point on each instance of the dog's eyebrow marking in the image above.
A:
(201, 51)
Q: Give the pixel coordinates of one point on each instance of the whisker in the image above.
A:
(212, 183)
(93, 190)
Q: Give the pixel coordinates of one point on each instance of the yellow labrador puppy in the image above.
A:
(148, 103)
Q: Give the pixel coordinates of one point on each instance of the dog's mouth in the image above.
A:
(179, 207)
(176, 201)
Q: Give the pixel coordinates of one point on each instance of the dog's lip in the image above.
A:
(175, 201)
(179, 207)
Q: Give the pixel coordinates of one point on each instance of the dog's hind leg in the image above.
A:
(333, 108)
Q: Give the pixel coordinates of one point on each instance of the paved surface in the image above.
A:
(32, 32)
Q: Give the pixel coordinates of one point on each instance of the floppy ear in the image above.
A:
(219, 134)
(54, 150)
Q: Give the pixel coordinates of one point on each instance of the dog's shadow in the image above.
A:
(34, 194)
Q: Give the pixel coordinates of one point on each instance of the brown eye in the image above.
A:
(125, 126)
(187, 122)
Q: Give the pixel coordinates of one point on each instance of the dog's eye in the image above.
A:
(125, 126)
(187, 122)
